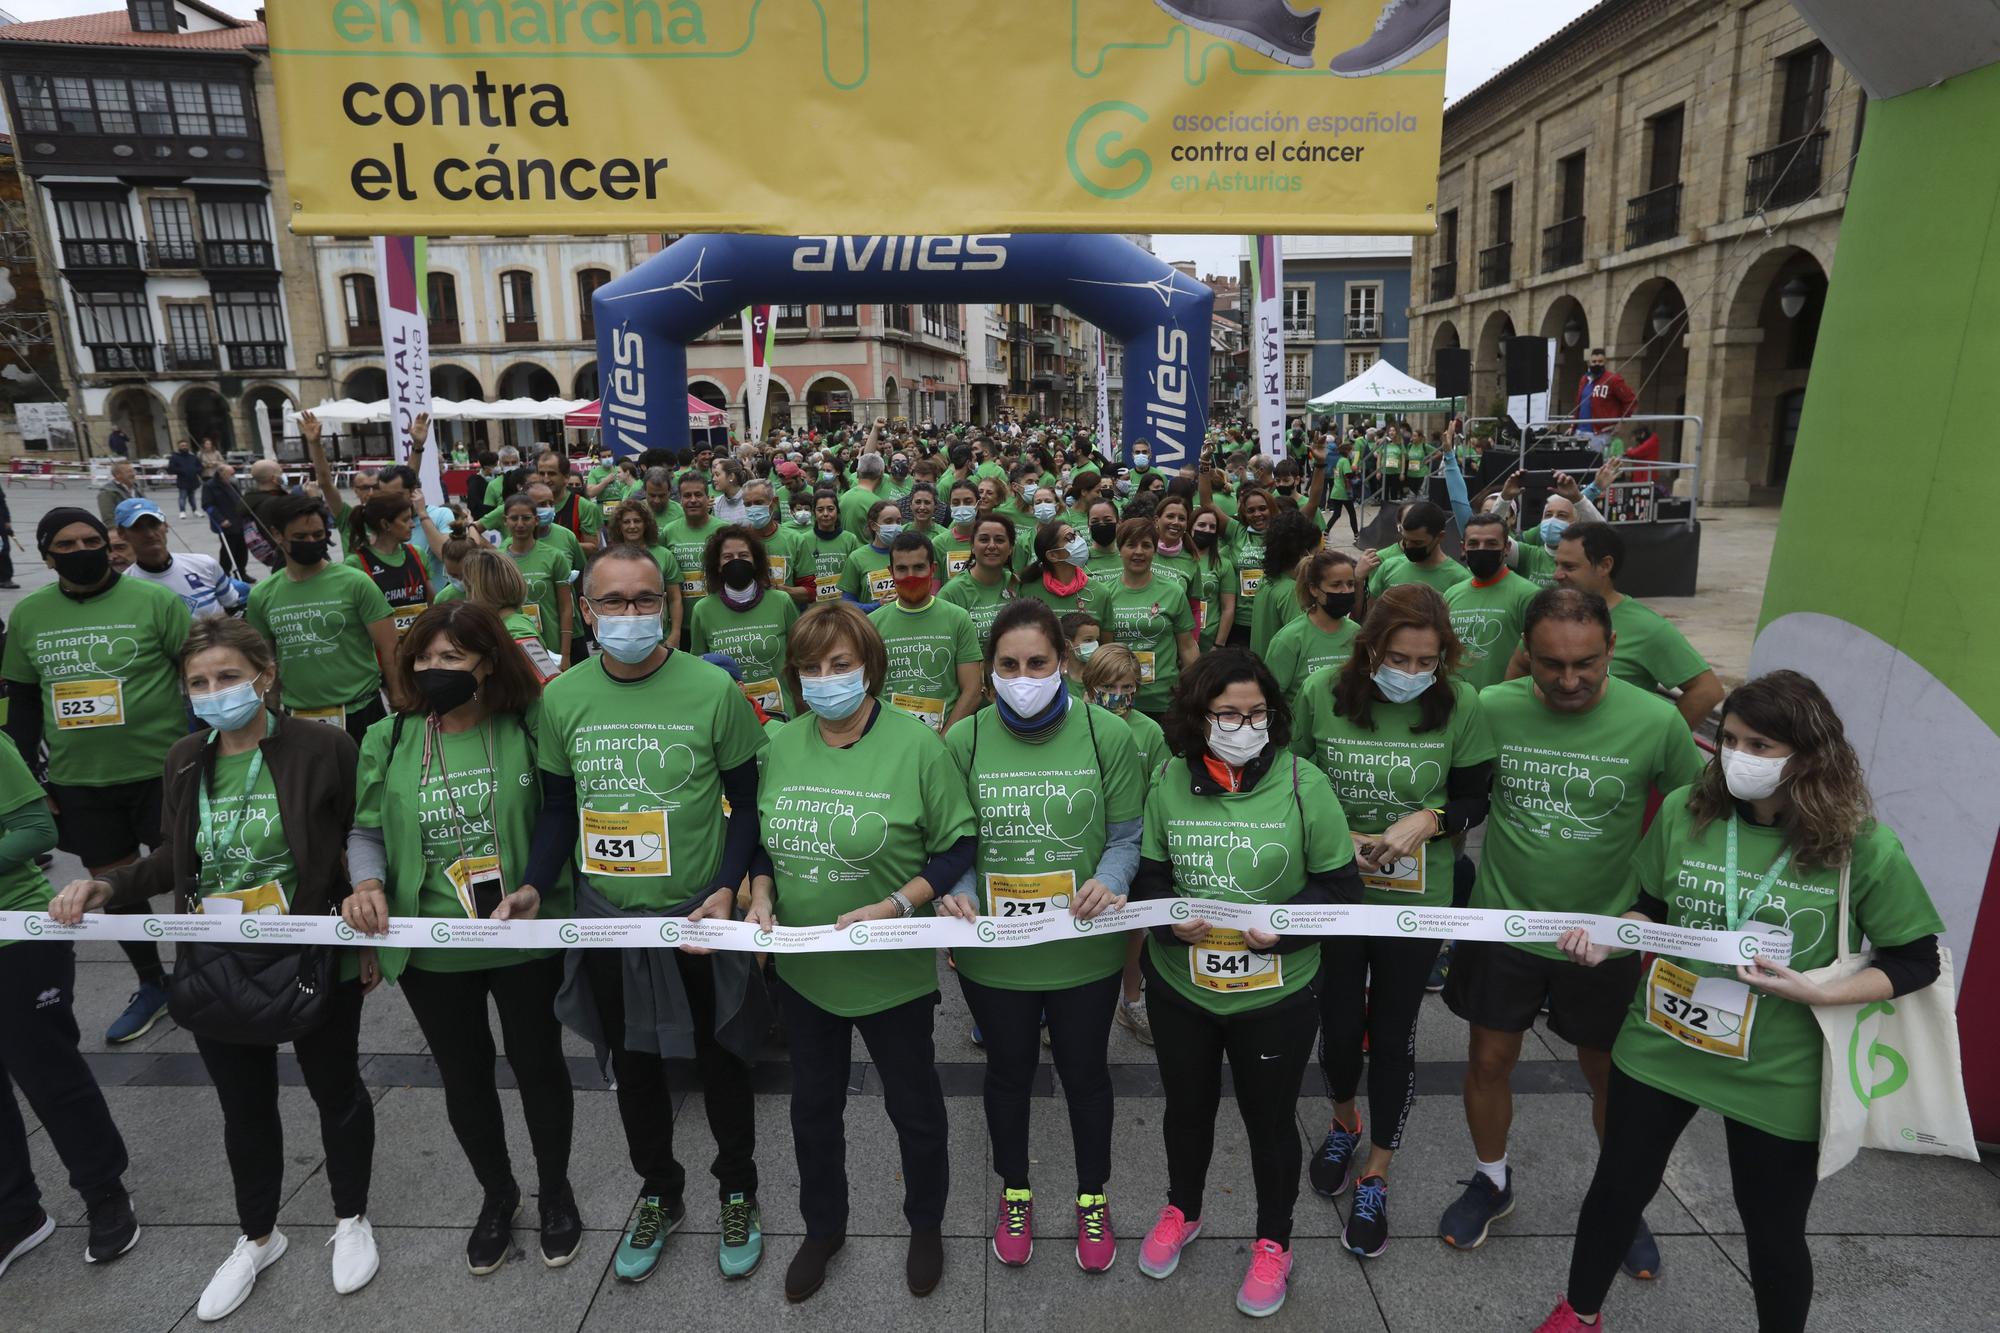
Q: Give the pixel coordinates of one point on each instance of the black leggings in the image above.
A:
(1267, 1050)
(1334, 508)
(1079, 1020)
(451, 1009)
(1376, 986)
(1773, 1180)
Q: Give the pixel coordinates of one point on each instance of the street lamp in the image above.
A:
(1793, 295)
(1572, 332)
(1663, 318)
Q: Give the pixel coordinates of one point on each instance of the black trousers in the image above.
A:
(234, 555)
(645, 1104)
(899, 1043)
(1773, 1179)
(1373, 987)
(1079, 1019)
(451, 1009)
(253, 1135)
(38, 1055)
(1267, 1050)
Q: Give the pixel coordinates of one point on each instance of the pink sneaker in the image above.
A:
(1096, 1247)
(1263, 1289)
(1014, 1228)
(1562, 1319)
(1160, 1252)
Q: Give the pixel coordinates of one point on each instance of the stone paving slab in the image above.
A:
(1864, 1284)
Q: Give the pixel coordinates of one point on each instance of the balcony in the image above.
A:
(1301, 327)
(1496, 264)
(1653, 217)
(100, 253)
(519, 331)
(170, 254)
(839, 319)
(1785, 175)
(1045, 338)
(1562, 245)
(1364, 328)
(110, 358)
(364, 332)
(188, 356)
(257, 356)
(237, 255)
(1017, 332)
(1444, 281)
(445, 332)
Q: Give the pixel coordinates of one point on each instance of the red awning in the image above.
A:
(700, 415)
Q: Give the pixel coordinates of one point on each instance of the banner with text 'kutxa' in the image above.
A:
(434, 117)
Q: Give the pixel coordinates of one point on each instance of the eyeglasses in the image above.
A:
(645, 604)
(1231, 720)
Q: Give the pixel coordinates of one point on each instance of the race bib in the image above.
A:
(1145, 666)
(765, 694)
(957, 562)
(1223, 962)
(1249, 581)
(780, 566)
(1200, 616)
(921, 706)
(1403, 875)
(406, 616)
(267, 899)
(332, 717)
(626, 842)
(826, 587)
(87, 703)
(468, 872)
(1029, 895)
(1711, 1014)
(881, 586)
(693, 585)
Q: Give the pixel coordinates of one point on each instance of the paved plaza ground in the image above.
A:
(1901, 1242)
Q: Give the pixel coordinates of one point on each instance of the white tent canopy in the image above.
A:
(1382, 388)
(337, 412)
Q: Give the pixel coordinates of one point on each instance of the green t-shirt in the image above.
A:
(647, 757)
(1246, 552)
(1384, 772)
(24, 888)
(755, 638)
(1253, 846)
(1487, 619)
(1396, 568)
(555, 534)
(846, 828)
(1336, 482)
(1272, 612)
(781, 552)
(319, 625)
(1301, 649)
(1044, 809)
(687, 543)
(855, 502)
(1103, 567)
(865, 576)
(462, 804)
(1080, 600)
(1776, 1085)
(1147, 620)
(1650, 652)
(1212, 578)
(954, 551)
(1533, 563)
(926, 649)
(1148, 740)
(109, 675)
(240, 843)
(546, 570)
(979, 600)
(827, 558)
(1569, 797)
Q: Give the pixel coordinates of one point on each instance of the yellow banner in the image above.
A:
(854, 116)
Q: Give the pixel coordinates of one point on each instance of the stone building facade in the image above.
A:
(1663, 178)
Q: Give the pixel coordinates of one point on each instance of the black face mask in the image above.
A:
(1337, 604)
(738, 573)
(828, 530)
(83, 569)
(1484, 564)
(1203, 538)
(1596, 371)
(1416, 555)
(446, 688)
(306, 552)
(1103, 533)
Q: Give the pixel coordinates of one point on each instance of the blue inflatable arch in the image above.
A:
(1159, 315)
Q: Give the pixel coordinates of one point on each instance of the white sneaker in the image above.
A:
(355, 1261)
(237, 1278)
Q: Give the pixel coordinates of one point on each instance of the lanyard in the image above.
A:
(210, 842)
(486, 810)
(1734, 907)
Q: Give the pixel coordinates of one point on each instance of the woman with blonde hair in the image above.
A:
(492, 581)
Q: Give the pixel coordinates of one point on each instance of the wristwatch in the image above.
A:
(903, 904)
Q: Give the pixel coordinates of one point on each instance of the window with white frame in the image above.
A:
(1298, 374)
(1358, 363)
(1364, 310)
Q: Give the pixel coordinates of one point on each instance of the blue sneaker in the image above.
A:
(141, 1012)
(1464, 1224)
(1367, 1229)
(1642, 1257)
(1440, 969)
(742, 1236)
(1333, 1165)
(640, 1249)
(978, 1037)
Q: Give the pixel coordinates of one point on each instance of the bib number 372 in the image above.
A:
(1710, 1014)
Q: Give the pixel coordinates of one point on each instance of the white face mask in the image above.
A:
(1752, 777)
(1237, 748)
(1028, 696)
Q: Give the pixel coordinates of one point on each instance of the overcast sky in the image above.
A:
(1486, 36)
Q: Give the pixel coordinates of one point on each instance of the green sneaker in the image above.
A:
(742, 1236)
(639, 1252)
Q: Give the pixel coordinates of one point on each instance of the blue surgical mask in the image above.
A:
(757, 516)
(630, 639)
(1553, 530)
(887, 533)
(1142, 460)
(1124, 486)
(834, 697)
(1078, 550)
(545, 515)
(1399, 687)
(1044, 512)
(963, 514)
(802, 517)
(230, 708)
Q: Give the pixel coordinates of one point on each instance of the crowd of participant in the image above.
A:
(976, 672)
